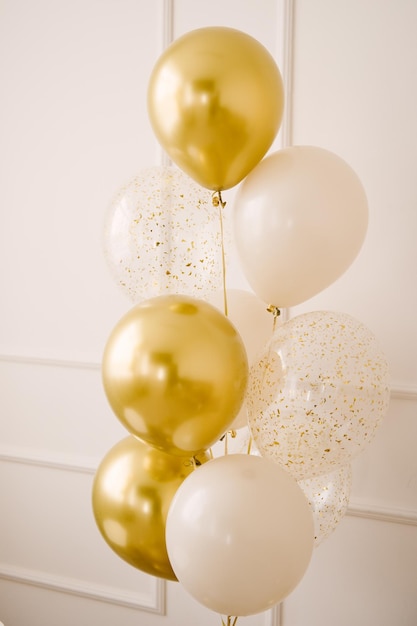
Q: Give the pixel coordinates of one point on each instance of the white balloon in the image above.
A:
(318, 393)
(253, 322)
(300, 218)
(239, 534)
(328, 496)
(162, 236)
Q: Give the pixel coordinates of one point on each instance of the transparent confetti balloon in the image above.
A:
(328, 496)
(317, 393)
(162, 236)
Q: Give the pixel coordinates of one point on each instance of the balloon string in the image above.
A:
(218, 201)
(249, 444)
(276, 313)
(224, 439)
(231, 621)
(268, 361)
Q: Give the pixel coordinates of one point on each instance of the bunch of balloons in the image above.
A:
(194, 361)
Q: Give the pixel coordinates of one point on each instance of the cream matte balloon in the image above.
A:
(215, 102)
(300, 218)
(175, 373)
(250, 316)
(255, 325)
(239, 534)
(318, 393)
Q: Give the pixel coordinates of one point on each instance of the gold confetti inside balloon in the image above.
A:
(175, 373)
(328, 496)
(132, 492)
(215, 102)
(318, 393)
(162, 235)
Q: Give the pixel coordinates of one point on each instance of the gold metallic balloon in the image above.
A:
(132, 491)
(175, 373)
(215, 102)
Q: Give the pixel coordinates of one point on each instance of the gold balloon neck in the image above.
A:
(217, 199)
(276, 312)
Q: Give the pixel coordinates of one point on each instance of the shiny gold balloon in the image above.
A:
(175, 373)
(215, 102)
(132, 491)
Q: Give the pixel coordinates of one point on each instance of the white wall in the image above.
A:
(74, 128)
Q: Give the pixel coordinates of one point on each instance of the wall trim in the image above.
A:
(166, 37)
(399, 390)
(49, 460)
(284, 58)
(88, 465)
(154, 603)
(273, 617)
(50, 361)
(167, 19)
(383, 514)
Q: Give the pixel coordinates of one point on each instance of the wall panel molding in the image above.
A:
(167, 22)
(166, 36)
(399, 390)
(152, 603)
(403, 391)
(50, 361)
(383, 514)
(88, 465)
(48, 459)
(273, 617)
(284, 58)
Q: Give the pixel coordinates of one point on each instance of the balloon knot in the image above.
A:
(271, 308)
(217, 199)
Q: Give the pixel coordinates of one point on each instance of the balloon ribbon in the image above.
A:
(231, 621)
(218, 201)
(275, 312)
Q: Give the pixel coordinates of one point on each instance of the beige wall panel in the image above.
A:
(385, 474)
(49, 539)
(74, 128)
(364, 574)
(355, 93)
(257, 18)
(55, 411)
